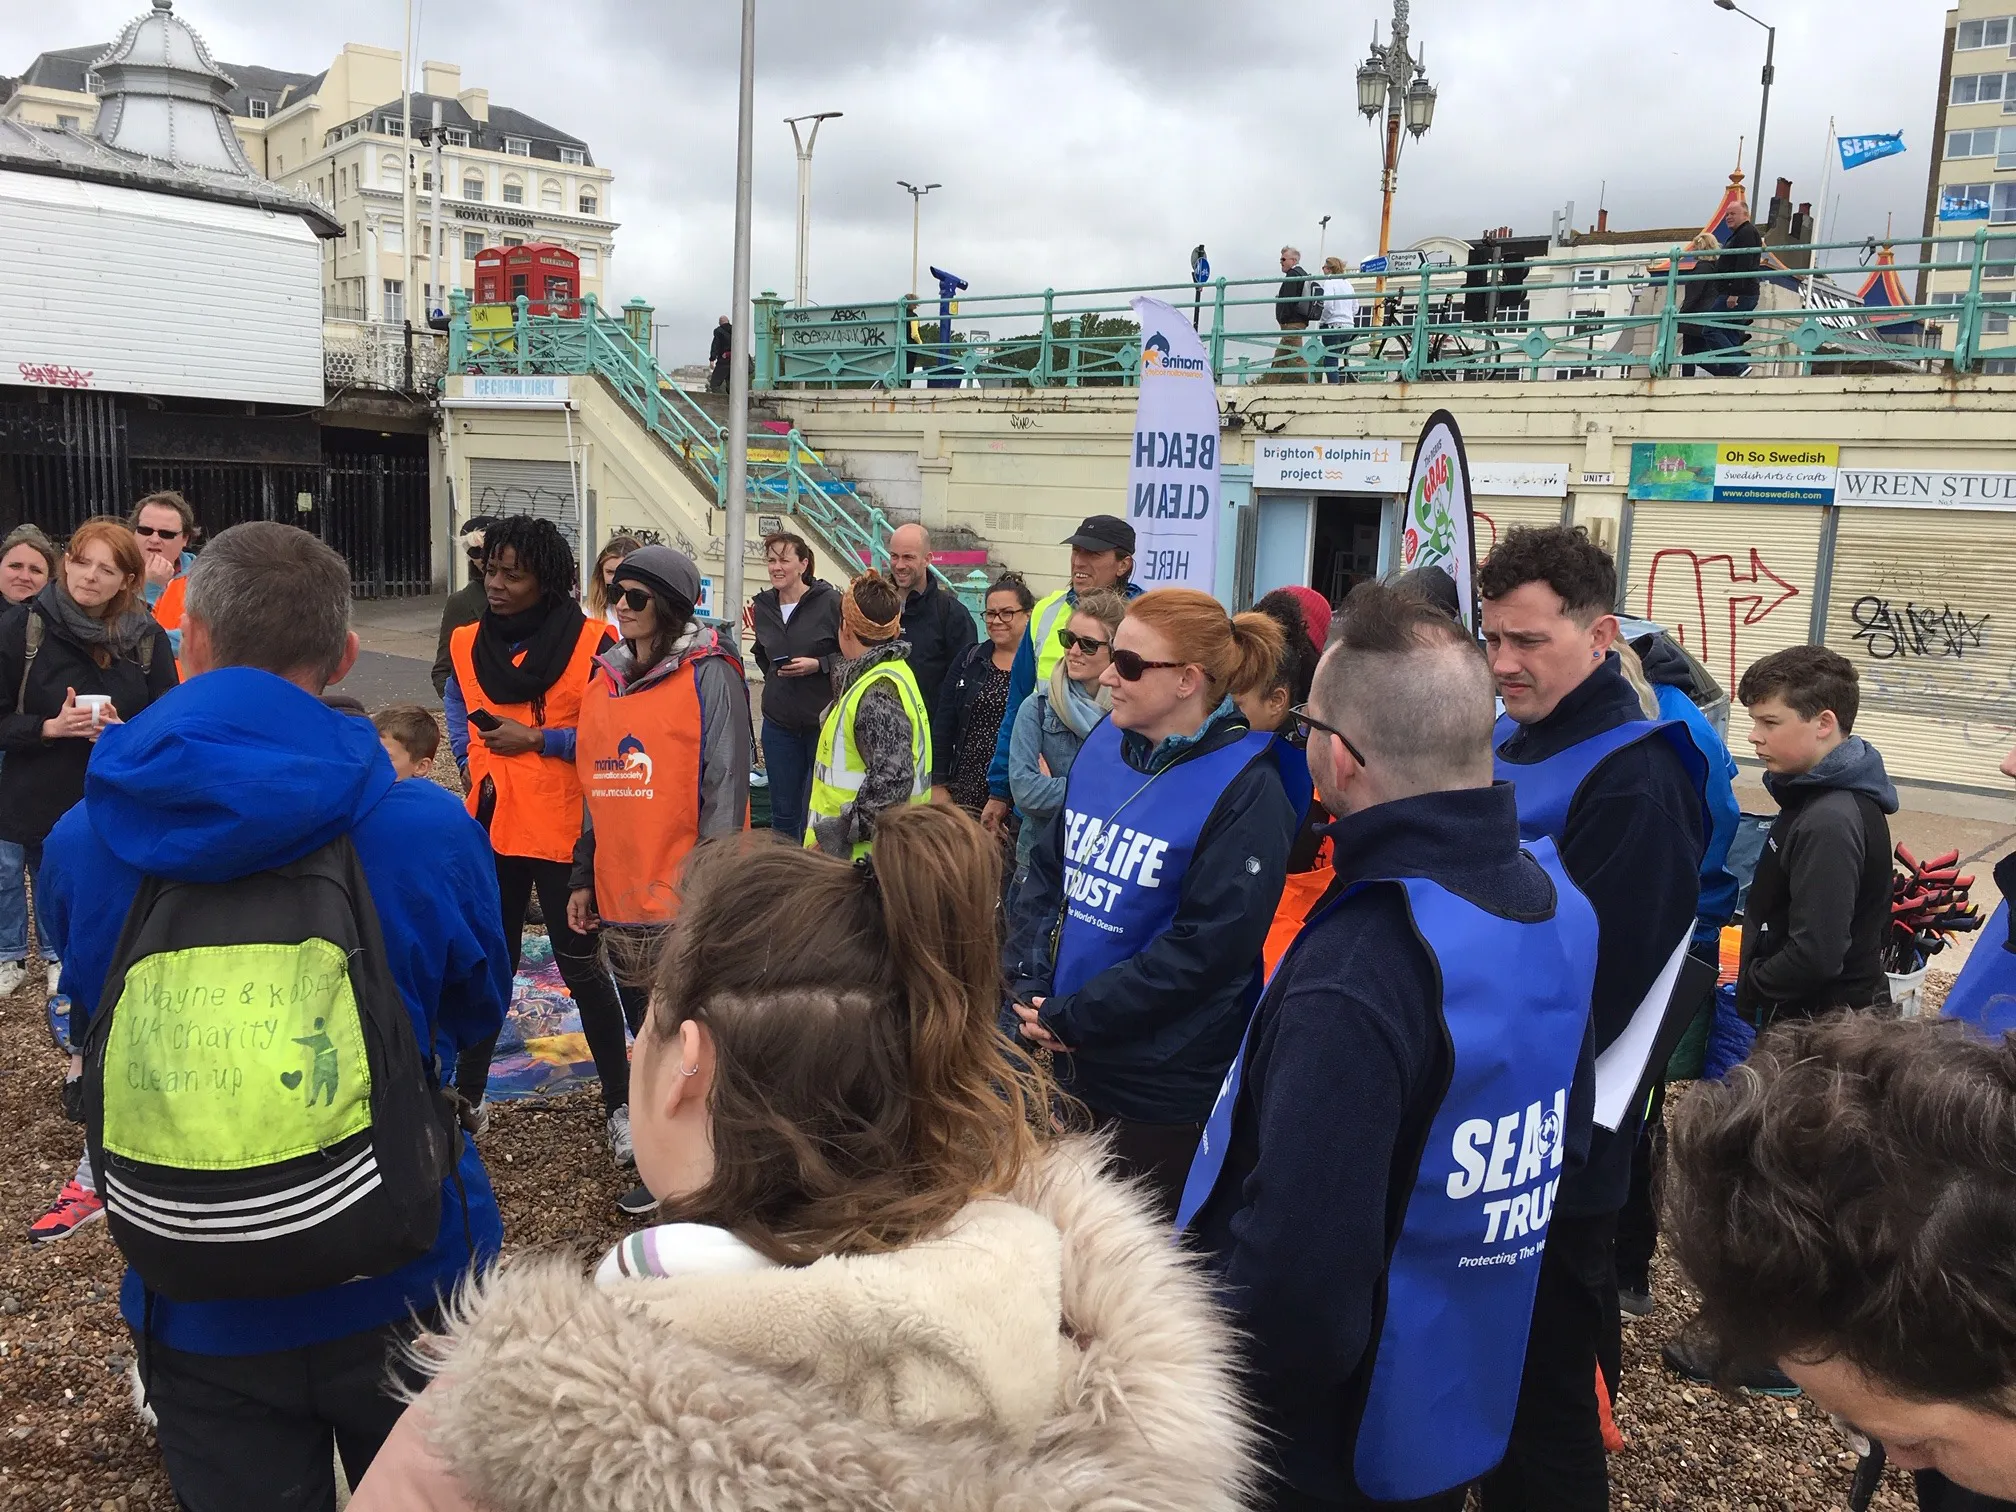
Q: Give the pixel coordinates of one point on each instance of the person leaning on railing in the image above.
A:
(1737, 288)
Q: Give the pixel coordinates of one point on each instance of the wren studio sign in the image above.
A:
(1908, 489)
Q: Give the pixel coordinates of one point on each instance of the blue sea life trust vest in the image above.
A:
(1128, 838)
(1984, 994)
(1456, 1301)
(1545, 792)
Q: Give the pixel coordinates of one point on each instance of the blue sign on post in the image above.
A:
(1372, 265)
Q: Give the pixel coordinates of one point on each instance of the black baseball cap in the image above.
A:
(1103, 533)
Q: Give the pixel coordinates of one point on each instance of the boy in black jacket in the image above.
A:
(1819, 907)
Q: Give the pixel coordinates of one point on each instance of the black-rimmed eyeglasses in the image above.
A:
(1305, 722)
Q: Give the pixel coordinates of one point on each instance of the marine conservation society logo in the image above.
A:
(630, 764)
(1157, 358)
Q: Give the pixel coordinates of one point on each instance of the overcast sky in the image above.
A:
(1090, 143)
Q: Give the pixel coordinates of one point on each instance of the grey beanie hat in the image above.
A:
(670, 572)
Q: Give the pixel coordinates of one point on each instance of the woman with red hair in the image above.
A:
(1149, 895)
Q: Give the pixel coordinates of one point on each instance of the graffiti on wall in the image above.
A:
(1707, 601)
(1886, 630)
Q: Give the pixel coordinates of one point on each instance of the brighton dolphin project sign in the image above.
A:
(1172, 476)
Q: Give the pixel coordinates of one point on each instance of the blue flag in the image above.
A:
(1857, 150)
(1962, 207)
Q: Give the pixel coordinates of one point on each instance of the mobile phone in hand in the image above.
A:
(483, 719)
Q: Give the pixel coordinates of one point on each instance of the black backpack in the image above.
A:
(262, 1120)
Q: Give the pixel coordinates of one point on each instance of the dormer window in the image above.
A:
(517, 147)
(259, 110)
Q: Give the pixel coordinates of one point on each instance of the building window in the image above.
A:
(517, 147)
(455, 136)
(576, 156)
(1964, 144)
(392, 237)
(427, 181)
(391, 169)
(472, 243)
(395, 301)
(1587, 278)
(259, 110)
(549, 196)
(514, 192)
(356, 235)
(590, 265)
(66, 123)
(514, 241)
(1977, 89)
(394, 126)
(1990, 32)
(472, 189)
(588, 203)
(92, 83)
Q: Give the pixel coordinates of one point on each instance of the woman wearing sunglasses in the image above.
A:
(974, 700)
(1053, 722)
(1150, 894)
(662, 751)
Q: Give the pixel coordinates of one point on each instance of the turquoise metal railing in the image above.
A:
(502, 339)
(1453, 323)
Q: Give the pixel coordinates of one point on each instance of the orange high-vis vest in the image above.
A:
(168, 607)
(638, 758)
(538, 796)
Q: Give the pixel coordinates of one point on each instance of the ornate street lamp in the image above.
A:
(1395, 80)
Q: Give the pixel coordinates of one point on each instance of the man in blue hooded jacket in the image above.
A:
(243, 770)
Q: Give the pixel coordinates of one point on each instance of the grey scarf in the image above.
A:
(119, 637)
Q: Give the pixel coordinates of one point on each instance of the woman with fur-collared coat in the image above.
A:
(883, 1286)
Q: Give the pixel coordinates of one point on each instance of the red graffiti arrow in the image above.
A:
(1758, 570)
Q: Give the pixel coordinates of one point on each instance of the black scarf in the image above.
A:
(549, 631)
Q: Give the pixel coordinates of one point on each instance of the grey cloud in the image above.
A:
(1092, 142)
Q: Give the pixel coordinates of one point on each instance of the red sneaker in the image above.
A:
(74, 1207)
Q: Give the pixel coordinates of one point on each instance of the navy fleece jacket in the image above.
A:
(1345, 1069)
(237, 771)
(1633, 843)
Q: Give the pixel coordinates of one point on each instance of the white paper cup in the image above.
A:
(100, 704)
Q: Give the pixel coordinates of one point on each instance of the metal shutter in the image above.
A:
(504, 486)
(1733, 582)
(1497, 515)
(1923, 602)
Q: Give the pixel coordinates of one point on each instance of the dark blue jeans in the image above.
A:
(788, 758)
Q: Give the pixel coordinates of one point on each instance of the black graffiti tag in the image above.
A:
(1888, 631)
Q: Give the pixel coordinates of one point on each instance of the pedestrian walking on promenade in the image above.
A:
(875, 745)
(720, 352)
(1379, 1257)
(513, 708)
(1340, 317)
(797, 637)
(1140, 925)
(256, 1357)
(1297, 306)
(914, 1295)
(1621, 798)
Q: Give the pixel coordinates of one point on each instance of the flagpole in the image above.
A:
(1820, 230)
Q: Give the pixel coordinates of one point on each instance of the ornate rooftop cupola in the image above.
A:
(163, 96)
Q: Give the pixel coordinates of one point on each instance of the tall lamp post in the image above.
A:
(735, 472)
(1395, 80)
(804, 145)
(917, 193)
(1764, 114)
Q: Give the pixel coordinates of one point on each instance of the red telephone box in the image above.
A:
(547, 275)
